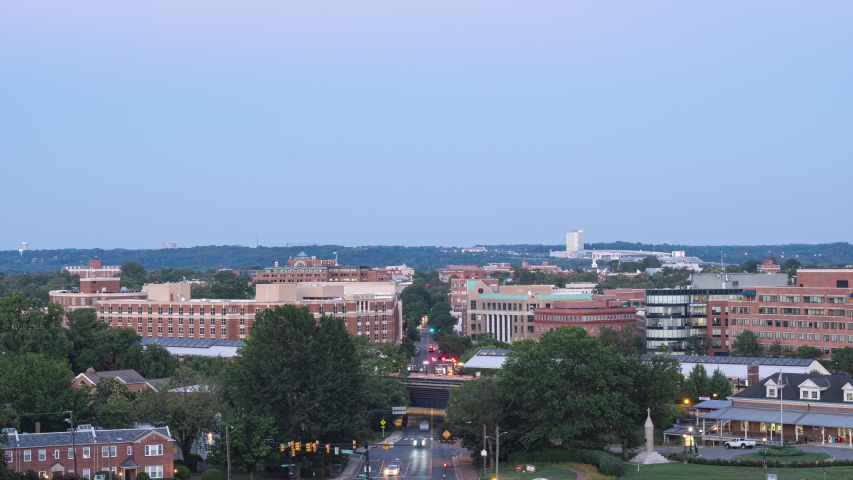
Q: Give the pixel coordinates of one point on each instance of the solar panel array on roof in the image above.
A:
(494, 352)
(800, 362)
(191, 342)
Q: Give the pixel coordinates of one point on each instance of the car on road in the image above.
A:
(420, 441)
(740, 443)
(431, 348)
(424, 426)
(393, 468)
(417, 351)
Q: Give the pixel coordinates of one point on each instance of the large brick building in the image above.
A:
(126, 452)
(168, 311)
(93, 290)
(591, 315)
(817, 312)
(95, 268)
(508, 311)
(303, 268)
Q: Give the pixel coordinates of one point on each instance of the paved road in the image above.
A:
(416, 462)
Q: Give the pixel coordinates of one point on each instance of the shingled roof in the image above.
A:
(832, 384)
(81, 437)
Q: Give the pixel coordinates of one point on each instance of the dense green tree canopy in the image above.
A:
(746, 345)
(303, 373)
(26, 326)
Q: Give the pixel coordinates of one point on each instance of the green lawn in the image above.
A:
(543, 472)
(691, 471)
(808, 457)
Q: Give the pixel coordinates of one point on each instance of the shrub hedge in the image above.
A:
(782, 452)
(722, 462)
(213, 474)
(606, 463)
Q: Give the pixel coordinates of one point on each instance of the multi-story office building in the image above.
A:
(168, 311)
(818, 313)
(574, 241)
(508, 311)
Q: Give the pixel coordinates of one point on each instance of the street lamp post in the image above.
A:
(684, 454)
(765, 451)
(690, 436)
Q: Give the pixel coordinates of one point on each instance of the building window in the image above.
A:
(56, 454)
(8, 457)
(105, 453)
(70, 453)
(848, 396)
(223, 332)
(28, 456)
(87, 452)
(87, 474)
(42, 455)
(153, 450)
(130, 451)
(771, 392)
(155, 471)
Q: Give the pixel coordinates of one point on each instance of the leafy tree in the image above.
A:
(407, 347)
(133, 274)
(805, 351)
(35, 384)
(625, 339)
(302, 372)
(772, 258)
(775, 349)
(26, 326)
(842, 360)
(652, 261)
(750, 266)
(211, 367)
(189, 404)
(719, 386)
(114, 404)
(455, 345)
(696, 385)
(697, 344)
(746, 345)
(248, 449)
(152, 361)
(566, 386)
(85, 332)
(790, 266)
(474, 404)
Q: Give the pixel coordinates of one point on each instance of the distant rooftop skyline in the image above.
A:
(441, 123)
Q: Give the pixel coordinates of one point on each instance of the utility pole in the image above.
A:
(228, 448)
(484, 449)
(109, 457)
(497, 450)
(367, 459)
(73, 444)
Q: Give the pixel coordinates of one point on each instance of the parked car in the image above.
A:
(393, 468)
(740, 443)
(424, 426)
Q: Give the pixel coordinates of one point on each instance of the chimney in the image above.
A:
(38, 427)
(751, 375)
(90, 370)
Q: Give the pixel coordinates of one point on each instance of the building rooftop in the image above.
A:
(191, 342)
(81, 437)
(799, 362)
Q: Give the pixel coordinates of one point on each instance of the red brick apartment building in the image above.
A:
(303, 268)
(126, 452)
(92, 291)
(817, 312)
(592, 315)
(168, 311)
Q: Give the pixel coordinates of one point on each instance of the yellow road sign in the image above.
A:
(446, 434)
(382, 423)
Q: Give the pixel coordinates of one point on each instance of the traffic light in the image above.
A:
(297, 446)
(328, 448)
(292, 452)
(354, 446)
(445, 465)
(385, 445)
(431, 330)
(310, 447)
(281, 447)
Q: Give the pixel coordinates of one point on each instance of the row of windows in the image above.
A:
(760, 322)
(106, 452)
(584, 318)
(800, 336)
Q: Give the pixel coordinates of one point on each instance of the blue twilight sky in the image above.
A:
(127, 124)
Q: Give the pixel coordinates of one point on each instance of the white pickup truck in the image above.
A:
(740, 442)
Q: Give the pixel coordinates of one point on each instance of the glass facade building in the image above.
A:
(672, 315)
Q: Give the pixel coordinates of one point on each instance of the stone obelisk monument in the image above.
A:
(649, 456)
